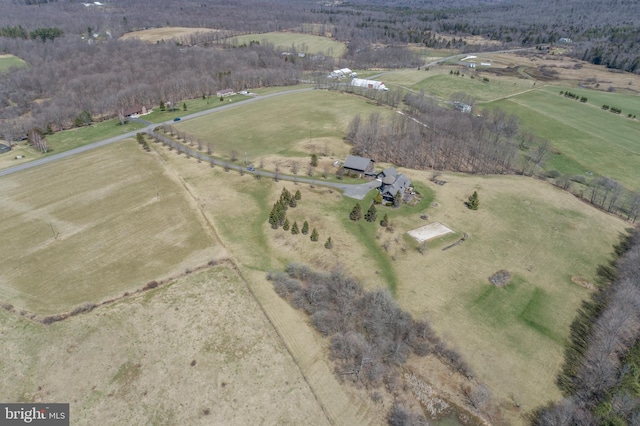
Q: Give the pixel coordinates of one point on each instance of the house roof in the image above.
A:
(136, 109)
(355, 162)
(401, 183)
(388, 175)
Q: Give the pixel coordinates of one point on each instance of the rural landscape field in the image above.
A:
(221, 221)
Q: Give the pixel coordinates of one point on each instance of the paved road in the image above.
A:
(150, 127)
(349, 190)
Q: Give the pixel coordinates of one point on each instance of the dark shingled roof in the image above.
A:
(356, 163)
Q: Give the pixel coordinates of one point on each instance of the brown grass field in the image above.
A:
(198, 351)
(154, 35)
(543, 236)
(90, 227)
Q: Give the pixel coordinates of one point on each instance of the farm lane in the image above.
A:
(149, 128)
(357, 191)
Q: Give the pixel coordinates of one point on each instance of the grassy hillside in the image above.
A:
(586, 137)
(280, 125)
(90, 227)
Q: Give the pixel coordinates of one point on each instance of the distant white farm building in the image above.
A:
(342, 72)
(368, 84)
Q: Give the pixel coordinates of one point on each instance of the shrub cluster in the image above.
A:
(370, 335)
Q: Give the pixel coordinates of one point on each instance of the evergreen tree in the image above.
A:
(397, 199)
(378, 198)
(298, 195)
(285, 196)
(314, 235)
(162, 107)
(293, 203)
(294, 228)
(328, 244)
(277, 215)
(385, 221)
(356, 213)
(285, 226)
(474, 201)
(184, 106)
(370, 216)
(305, 227)
(314, 160)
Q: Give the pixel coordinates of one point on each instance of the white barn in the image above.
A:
(368, 84)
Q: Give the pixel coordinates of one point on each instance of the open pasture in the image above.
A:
(197, 351)
(92, 227)
(303, 43)
(79, 136)
(10, 61)
(543, 237)
(154, 35)
(586, 137)
(438, 82)
(280, 126)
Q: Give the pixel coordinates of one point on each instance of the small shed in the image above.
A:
(359, 165)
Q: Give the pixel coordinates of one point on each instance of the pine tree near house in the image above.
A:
(370, 216)
(356, 213)
(474, 201)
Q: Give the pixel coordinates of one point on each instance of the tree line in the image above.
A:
(600, 378)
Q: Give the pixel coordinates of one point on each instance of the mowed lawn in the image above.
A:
(73, 138)
(304, 43)
(513, 337)
(276, 126)
(10, 61)
(586, 136)
(91, 227)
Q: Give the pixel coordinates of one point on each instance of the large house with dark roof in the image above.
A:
(391, 183)
(359, 165)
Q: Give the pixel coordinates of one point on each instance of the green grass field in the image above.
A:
(73, 138)
(279, 125)
(305, 43)
(440, 83)
(9, 61)
(90, 227)
(193, 105)
(587, 137)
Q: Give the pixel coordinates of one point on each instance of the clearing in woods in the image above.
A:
(154, 35)
(93, 226)
(10, 61)
(303, 43)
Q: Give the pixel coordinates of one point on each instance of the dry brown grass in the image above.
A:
(154, 35)
(132, 362)
(570, 71)
(90, 227)
(513, 337)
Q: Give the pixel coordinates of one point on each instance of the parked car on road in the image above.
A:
(176, 119)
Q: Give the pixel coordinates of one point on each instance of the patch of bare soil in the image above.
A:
(582, 282)
(500, 278)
